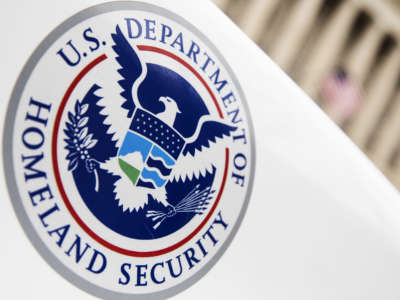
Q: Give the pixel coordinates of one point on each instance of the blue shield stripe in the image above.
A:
(159, 165)
(145, 184)
(133, 143)
(153, 176)
(158, 153)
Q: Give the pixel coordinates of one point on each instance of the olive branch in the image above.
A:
(80, 141)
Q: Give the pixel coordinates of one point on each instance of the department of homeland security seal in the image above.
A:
(128, 151)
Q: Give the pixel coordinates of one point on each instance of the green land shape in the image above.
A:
(131, 172)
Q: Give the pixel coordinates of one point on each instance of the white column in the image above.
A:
(361, 57)
(222, 4)
(377, 96)
(325, 54)
(388, 137)
(255, 17)
(393, 173)
(292, 35)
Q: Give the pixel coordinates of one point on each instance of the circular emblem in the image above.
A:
(129, 151)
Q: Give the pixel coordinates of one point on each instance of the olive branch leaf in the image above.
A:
(79, 141)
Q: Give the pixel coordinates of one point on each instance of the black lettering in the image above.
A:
(61, 232)
(150, 29)
(166, 32)
(36, 117)
(47, 213)
(218, 83)
(77, 245)
(171, 269)
(41, 194)
(141, 275)
(193, 52)
(129, 26)
(210, 235)
(33, 138)
(100, 267)
(30, 166)
(190, 257)
(70, 62)
(91, 39)
(179, 41)
(234, 118)
(124, 272)
(220, 221)
(153, 273)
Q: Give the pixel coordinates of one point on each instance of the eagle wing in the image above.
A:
(125, 72)
(132, 70)
(198, 156)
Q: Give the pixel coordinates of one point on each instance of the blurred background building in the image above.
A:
(345, 55)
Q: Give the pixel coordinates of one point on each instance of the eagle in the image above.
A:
(151, 150)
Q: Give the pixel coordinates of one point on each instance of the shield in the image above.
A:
(149, 151)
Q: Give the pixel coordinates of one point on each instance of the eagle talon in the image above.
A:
(171, 211)
(91, 165)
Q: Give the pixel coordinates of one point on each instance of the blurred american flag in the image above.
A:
(341, 95)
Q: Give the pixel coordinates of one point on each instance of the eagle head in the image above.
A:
(170, 111)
